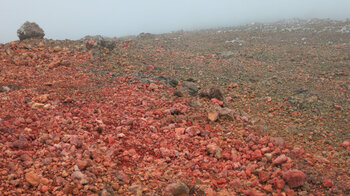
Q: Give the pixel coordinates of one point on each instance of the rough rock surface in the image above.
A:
(177, 189)
(30, 30)
(191, 87)
(294, 178)
(216, 93)
(32, 178)
(104, 125)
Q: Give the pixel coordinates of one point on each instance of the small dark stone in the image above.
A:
(110, 45)
(300, 91)
(180, 92)
(146, 81)
(191, 80)
(158, 68)
(170, 81)
(173, 82)
(174, 112)
(194, 103)
(27, 100)
(204, 94)
(160, 78)
(98, 129)
(65, 63)
(216, 93)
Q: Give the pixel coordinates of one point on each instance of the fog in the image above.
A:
(73, 19)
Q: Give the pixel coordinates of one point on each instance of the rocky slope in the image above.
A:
(261, 109)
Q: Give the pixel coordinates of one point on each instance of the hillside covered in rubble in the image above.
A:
(258, 109)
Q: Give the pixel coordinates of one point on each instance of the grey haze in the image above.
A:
(73, 19)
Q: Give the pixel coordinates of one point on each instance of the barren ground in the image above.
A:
(97, 121)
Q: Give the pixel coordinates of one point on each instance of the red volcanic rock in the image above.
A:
(44, 189)
(82, 164)
(256, 154)
(214, 150)
(278, 183)
(327, 183)
(21, 143)
(96, 127)
(76, 141)
(294, 178)
(345, 144)
(213, 116)
(216, 101)
(165, 152)
(150, 67)
(226, 155)
(193, 131)
(264, 176)
(297, 152)
(32, 178)
(337, 107)
(277, 141)
(179, 131)
(179, 108)
(280, 159)
(254, 193)
(290, 192)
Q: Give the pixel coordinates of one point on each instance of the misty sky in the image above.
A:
(73, 19)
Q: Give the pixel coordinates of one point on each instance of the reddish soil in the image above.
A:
(106, 121)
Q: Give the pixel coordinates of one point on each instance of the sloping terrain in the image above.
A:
(261, 109)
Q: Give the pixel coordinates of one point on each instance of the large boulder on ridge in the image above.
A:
(30, 30)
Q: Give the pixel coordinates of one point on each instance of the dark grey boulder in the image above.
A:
(191, 87)
(145, 36)
(168, 80)
(180, 92)
(216, 93)
(212, 93)
(173, 82)
(30, 30)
